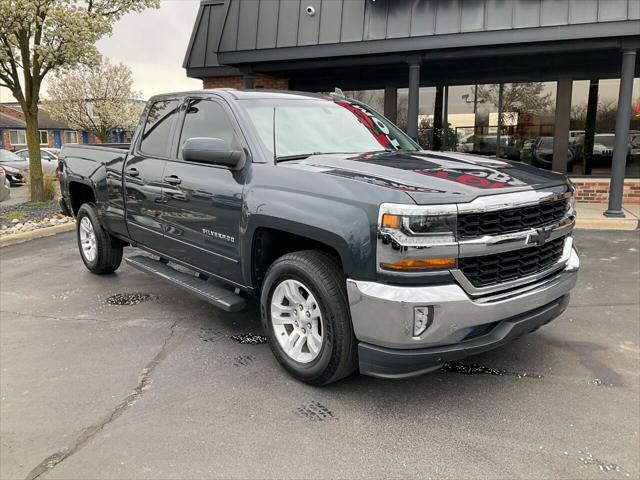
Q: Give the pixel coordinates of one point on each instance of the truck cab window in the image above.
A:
(156, 133)
(206, 118)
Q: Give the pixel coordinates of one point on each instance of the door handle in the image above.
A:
(173, 180)
(132, 172)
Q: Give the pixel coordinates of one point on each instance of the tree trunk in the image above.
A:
(35, 163)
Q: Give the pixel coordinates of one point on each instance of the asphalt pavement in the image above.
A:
(19, 194)
(124, 376)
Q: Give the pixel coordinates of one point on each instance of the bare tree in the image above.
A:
(517, 97)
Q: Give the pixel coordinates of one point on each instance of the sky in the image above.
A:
(153, 44)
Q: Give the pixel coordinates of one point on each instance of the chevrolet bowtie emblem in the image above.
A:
(539, 238)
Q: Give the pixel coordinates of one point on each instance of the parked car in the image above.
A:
(574, 135)
(48, 156)
(15, 167)
(363, 250)
(5, 186)
(486, 145)
(603, 144)
(542, 154)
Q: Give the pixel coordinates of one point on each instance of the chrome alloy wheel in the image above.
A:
(88, 239)
(297, 321)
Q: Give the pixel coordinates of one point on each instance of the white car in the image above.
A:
(49, 158)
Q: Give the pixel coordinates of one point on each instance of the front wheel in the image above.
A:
(100, 252)
(305, 313)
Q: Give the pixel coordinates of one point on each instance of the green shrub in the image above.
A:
(12, 215)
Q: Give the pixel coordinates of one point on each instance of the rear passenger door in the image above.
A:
(203, 203)
(143, 174)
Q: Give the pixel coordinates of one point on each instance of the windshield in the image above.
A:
(606, 140)
(309, 126)
(7, 156)
(546, 142)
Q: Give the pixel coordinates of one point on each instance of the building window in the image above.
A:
(44, 137)
(18, 137)
(70, 136)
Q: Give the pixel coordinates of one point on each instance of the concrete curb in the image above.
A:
(7, 240)
(607, 224)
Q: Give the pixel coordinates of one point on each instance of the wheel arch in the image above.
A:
(273, 239)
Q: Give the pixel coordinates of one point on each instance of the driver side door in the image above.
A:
(203, 202)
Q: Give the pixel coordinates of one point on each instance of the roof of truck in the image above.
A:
(243, 94)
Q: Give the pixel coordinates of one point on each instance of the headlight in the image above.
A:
(572, 195)
(11, 169)
(416, 239)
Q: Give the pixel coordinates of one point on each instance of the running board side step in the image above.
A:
(219, 296)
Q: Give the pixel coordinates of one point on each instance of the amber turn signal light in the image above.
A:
(391, 221)
(413, 265)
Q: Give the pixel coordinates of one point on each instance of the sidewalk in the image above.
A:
(590, 216)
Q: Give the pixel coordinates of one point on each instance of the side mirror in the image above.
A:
(214, 151)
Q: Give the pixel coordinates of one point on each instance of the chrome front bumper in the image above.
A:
(382, 314)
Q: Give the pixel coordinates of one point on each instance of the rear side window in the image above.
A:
(206, 118)
(155, 137)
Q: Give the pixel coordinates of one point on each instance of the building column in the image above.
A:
(248, 79)
(590, 127)
(499, 129)
(562, 125)
(414, 98)
(445, 120)
(391, 102)
(436, 143)
(623, 118)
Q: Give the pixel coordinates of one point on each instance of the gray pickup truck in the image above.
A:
(364, 251)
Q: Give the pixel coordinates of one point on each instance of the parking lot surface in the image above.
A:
(124, 376)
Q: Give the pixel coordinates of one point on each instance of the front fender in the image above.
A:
(347, 228)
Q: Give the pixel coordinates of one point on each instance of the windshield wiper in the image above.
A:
(299, 156)
(302, 156)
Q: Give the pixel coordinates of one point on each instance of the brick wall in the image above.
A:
(237, 81)
(596, 190)
(6, 141)
(14, 112)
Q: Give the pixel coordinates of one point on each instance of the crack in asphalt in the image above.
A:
(144, 382)
(53, 317)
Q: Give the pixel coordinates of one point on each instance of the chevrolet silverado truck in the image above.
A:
(364, 251)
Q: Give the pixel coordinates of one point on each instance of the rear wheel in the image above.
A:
(305, 314)
(100, 252)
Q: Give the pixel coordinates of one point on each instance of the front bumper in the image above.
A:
(462, 325)
(397, 363)
(15, 178)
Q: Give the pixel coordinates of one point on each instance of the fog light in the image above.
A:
(422, 319)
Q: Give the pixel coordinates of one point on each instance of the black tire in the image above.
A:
(109, 249)
(320, 273)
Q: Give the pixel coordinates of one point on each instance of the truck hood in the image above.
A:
(433, 177)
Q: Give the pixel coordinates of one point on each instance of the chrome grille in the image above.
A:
(471, 225)
(502, 267)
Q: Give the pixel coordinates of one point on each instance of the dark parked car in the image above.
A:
(15, 167)
(363, 250)
(542, 154)
(5, 186)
